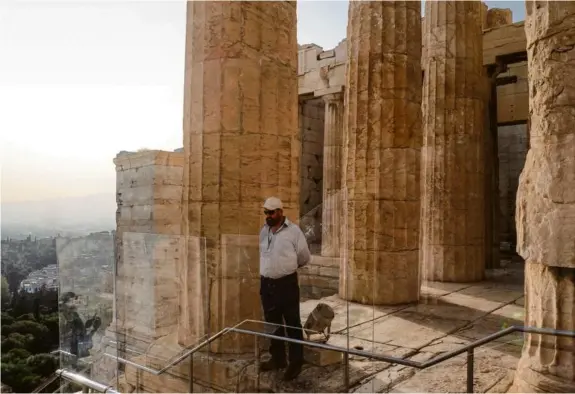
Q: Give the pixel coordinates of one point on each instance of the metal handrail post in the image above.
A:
(191, 388)
(470, 374)
(346, 372)
(257, 365)
(318, 345)
(469, 348)
(176, 361)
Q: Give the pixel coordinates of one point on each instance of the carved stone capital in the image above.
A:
(333, 98)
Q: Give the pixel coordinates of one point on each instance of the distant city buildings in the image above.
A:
(46, 277)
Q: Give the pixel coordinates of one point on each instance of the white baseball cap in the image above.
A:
(273, 203)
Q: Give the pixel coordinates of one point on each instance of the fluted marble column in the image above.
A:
(453, 217)
(382, 128)
(545, 213)
(484, 10)
(241, 144)
(332, 174)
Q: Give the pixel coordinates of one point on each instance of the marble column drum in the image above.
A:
(382, 128)
(453, 169)
(241, 144)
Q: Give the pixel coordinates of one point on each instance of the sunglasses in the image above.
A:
(269, 213)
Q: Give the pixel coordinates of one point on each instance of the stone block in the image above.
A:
(310, 269)
(330, 272)
(322, 357)
(146, 284)
(319, 282)
(497, 17)
(502, 41)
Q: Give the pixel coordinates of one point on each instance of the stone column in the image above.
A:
(492, 210)
(241, 145)
(453, 213)
(545, 213)
(484, 9)
(382, 126)
(332, 173)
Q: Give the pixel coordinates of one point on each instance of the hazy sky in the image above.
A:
(81, 81)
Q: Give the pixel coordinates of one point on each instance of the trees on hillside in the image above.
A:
(30, 331)
(5, 291)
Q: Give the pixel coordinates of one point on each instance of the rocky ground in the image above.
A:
(448, 317)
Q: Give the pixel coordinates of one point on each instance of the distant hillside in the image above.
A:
(70, 215)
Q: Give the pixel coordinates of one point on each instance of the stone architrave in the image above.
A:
(453, 207)
(545, 214)
(497, 17)
(382, 129)
(241, 145)
(332, 170)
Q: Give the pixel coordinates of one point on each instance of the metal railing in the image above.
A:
(469, 349)
(87, 384)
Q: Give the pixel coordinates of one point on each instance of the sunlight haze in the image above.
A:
(81, 81)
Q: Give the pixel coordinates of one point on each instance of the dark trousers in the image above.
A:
(280, 302)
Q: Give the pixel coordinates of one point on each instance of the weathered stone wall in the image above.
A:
(513, 98)
(319, 69)
(311, 126)
(320, 278)
(497, 17)
(148, 244)
(546, 200)
(148, 241)
(513, 142)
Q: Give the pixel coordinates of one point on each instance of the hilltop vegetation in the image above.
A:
(30, 330)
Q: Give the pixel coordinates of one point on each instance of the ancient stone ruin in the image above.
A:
(399, 153)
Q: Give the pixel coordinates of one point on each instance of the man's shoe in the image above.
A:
(292, 372)
(271, 365)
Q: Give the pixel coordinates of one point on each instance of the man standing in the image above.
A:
(283, 249)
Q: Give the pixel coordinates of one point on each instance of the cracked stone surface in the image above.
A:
(438, 324)
(445, 321)
(546, 200)
(382, 124)
(453, 206)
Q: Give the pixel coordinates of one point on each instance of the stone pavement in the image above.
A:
(448, 316)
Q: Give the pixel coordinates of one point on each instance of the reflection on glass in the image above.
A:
(86, 271)
(190, 292)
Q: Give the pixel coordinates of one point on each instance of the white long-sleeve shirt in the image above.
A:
(284, 252)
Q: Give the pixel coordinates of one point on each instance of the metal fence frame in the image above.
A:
(87, 384)
(469, 349)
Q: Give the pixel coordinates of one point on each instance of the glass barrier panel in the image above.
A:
(337, 220)
(86, 298)
(159, 303)
(29, 311)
